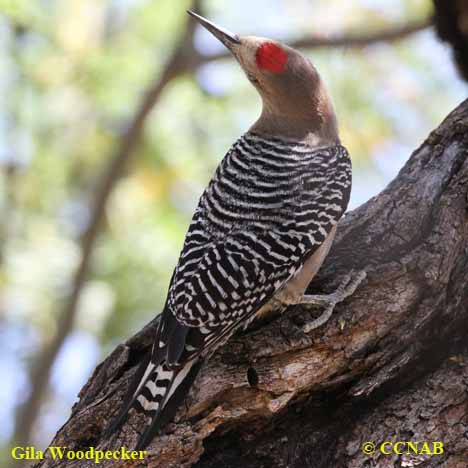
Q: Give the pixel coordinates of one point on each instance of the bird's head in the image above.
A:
(296, 103)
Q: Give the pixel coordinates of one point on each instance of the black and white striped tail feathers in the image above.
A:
(160, 384)
(161, 394)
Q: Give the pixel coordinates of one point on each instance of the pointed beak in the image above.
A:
(228, 38)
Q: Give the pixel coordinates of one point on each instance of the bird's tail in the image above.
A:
(157, 390)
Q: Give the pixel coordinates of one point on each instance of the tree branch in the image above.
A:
(410, 315)
(392, 34)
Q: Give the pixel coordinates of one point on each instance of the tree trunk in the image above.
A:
(390, 365)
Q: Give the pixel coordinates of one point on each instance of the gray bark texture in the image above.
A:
(390, 365)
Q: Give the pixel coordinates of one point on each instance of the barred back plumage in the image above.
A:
(270, 204)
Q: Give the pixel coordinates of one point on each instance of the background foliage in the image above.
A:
(72, 73)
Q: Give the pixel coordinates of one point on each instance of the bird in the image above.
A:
(261, 230)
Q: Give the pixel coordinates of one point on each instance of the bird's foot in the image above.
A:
(347, 287)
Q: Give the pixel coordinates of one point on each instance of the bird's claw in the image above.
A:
(346, 288)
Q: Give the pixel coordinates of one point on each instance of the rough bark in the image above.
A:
(391, 364)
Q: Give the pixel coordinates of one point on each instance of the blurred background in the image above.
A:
(113, 117)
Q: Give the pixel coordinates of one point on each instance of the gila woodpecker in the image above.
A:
(261, 230)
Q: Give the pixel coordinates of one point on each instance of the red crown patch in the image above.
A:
(271, 57)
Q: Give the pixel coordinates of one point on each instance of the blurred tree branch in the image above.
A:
(185, 59)
(392, 34)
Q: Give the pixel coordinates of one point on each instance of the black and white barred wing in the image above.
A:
(245, 244)
(236, 276)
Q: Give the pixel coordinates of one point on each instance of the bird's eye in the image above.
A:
(252, 78)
